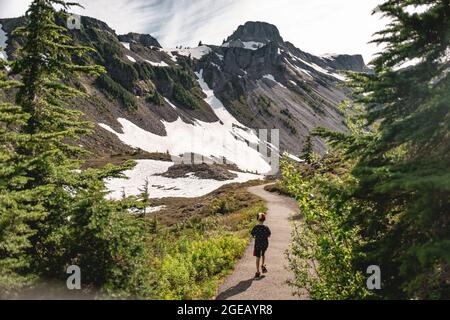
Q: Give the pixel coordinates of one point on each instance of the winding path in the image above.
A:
(241, 285)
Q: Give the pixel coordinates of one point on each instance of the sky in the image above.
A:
(315, 26)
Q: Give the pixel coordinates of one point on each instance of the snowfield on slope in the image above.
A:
(3, 39)
(162, 187)
(226, 139)
(157, 64)
(126, 45)
(194, 53)
(131, 59)
(249, 45)
(320, 69)
(272, 78)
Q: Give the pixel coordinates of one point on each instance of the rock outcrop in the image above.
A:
(143, 39)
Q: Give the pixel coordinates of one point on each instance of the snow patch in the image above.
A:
(292, 157)
(272, 78)
(157, 64)
(126, 45)
(320, 69)
(131, 58)
(329, 56)
(170, 103)
(194, 53)
(155, 209)
(3, 40)
(226, 139)
(216, 65)
(147, 210)
(301, 70)
(170, 54)
(249, 45)
(252, 45)
(162, 187)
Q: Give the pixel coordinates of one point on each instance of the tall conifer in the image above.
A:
(53, 214)
(404, 168)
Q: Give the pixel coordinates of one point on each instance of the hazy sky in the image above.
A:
(316, 26)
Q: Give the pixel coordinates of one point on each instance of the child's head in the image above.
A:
(261, 217)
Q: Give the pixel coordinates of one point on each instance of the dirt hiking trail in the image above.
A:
(241, 285)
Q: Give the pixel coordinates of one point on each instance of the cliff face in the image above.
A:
(254, 77)
(258, 32)
(269, 83)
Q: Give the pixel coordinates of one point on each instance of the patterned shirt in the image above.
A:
(261, 233)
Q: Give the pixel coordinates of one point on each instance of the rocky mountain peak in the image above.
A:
(143, 39)
(259, 32)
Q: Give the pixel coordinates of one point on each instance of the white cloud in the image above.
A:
(316, 26)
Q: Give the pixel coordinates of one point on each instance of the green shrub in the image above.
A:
(183, 98)
(265, 104)
(323, 242)
(144, 70)
(192, 257)
(287, 113)
(124, 73)
(288, 124)
(155, 98)
(113, 90)
(188, 269)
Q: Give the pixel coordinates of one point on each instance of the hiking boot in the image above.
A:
(264, 269)
(257, 275)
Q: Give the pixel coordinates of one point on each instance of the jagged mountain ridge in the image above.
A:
(303, 88)
(262, 81)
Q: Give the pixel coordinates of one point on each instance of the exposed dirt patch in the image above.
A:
(201, 171)
(223, 201)
(119, 159)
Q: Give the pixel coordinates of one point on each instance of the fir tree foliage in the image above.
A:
(18, 207)
(403, 164)
(404, 171)
(308, 150)
(52, 214)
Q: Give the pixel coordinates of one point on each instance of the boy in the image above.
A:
(261, 233)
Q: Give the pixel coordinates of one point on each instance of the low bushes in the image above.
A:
(191, 258)
(113, 90)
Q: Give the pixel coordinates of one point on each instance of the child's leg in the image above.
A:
(264, 260)
(258, 260)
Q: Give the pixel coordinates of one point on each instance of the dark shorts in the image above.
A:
(259, 251)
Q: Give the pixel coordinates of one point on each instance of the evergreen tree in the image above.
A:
(307, 151)
(404, 167)
(53, 214)
(108, 242)
(49, 161)
(18, 207)
(396, 204)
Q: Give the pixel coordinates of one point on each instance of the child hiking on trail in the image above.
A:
(261, 233)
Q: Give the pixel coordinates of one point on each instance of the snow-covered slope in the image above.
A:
(163, 187)
(206, 100)
(194, 53)
(3, 39)
(226, 139)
